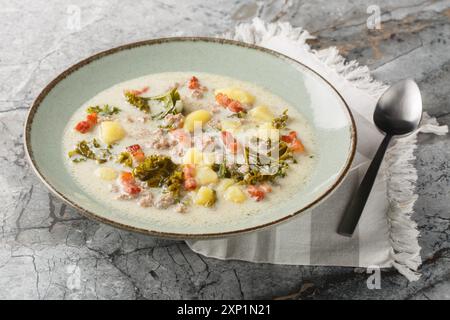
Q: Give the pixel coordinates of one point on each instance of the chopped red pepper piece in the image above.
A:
(194, 83)
(92, 118)
(190, 184)
(297, 146)
(235, 106)
(129, 184)
(256, 192)
(232, 105)
(188, 174)
(126, 177)
(86, 125)
(229, 141)
(290, 137)
(83, 126)
(136, 152)
(188, 171)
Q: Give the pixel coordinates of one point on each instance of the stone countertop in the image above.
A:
(49, 251)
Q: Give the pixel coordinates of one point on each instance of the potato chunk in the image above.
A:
(106, 173)
(193, 156)
(235, 194)
(111, 131)
(199, 116)
(205, 175)
(237, 94)
(267, 131)
(224, 184)
(261, 113)
(205, 197)
(230, 125)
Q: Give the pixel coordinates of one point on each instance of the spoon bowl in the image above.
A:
(399, 110)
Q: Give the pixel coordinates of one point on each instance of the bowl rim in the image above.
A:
(91, 215)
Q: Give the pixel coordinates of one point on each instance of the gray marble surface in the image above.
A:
(49, 251)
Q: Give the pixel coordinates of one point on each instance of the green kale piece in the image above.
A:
(92, 150)
(106, 110)
(280, 122)
(125, 159)
(174, 183)
(154, 170)
(168, 100)
(139, 102)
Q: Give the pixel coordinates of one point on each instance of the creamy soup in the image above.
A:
(190, 147)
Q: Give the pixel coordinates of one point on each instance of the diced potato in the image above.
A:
(193, 156)
(261, 113)
(205, 175)
(266, 131)
(106, 173)
(111, 131)
(235, 194)
(237, 94)
(198, 117)
(230, 125)
(224, 184)
(208, 158)
(205, 197)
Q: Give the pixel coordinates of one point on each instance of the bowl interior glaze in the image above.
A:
(305, 90)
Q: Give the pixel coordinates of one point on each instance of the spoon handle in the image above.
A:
(353, 212)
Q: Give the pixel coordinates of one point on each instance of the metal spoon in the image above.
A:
(398, 112)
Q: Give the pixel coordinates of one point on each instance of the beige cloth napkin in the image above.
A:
(386, 236)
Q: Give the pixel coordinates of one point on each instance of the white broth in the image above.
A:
(139, 129)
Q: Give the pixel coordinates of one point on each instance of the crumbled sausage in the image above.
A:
(174, 121)
(126, 196)
(164, 201)
(159, 140)
(146, 200)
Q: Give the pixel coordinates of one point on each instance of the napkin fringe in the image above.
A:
(401, 181)
(359, 76)
(400, 170)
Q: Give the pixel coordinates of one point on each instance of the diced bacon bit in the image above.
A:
(290, 137)
(83, 126)
(189, 180)
(256, 192)
(128, 183)
(190, 184)
(235, 106)
(232, 105)
(296, 144)
(223, 99)
(194, 83)
(136, 152)
(139, 92)
(86, 125)
(92, 118)
(229, 141)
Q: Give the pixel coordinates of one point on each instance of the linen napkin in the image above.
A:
(386, 236)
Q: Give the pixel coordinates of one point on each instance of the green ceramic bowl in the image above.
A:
(304, 89)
